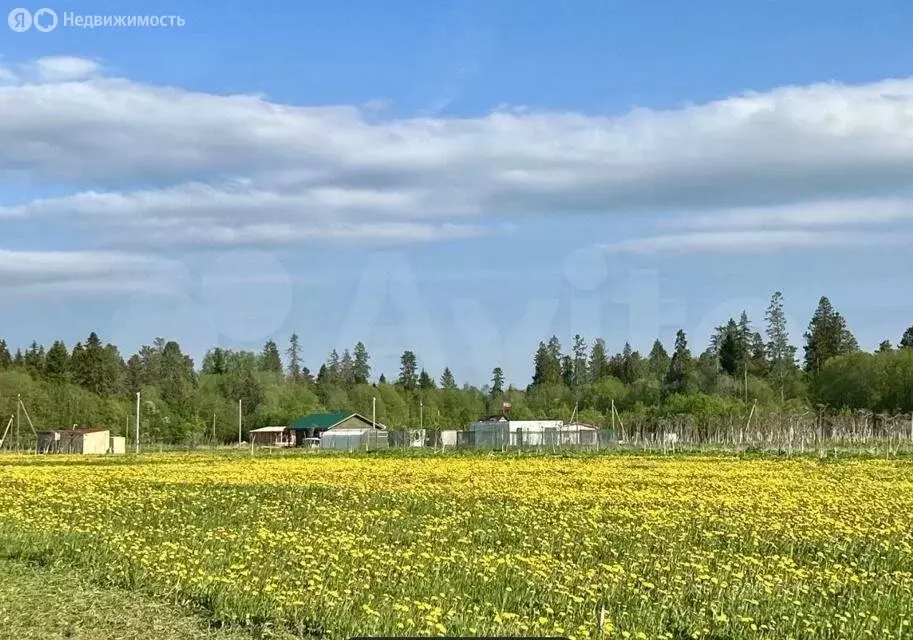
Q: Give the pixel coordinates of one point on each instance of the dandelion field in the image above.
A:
(585, 547)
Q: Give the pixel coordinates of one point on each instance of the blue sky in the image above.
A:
(458, 178)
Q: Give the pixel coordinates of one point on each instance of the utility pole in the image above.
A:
(374, 411)
(136, 435)
(18, 405)
(239, 422)
(421, 413)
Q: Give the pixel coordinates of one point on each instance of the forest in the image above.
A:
(745, 370)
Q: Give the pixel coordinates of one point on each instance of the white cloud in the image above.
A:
(243, 170)
(85, 272)
(241, 214)
(755, 241)
(864, 211)
(65, 68)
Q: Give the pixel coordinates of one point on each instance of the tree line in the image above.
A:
(744, 366)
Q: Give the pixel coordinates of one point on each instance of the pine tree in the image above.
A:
(885, 346)
(681, 367)
(425, 382)
(362, 366)
(629, 364)
(6, 360)
(270, 360)
(734, 344)
(347, 368)
(57, 362)
(333, 373)
(906, 341)
(781, 355)
(547, 364)
(382, 379)
(827, 337)
(294, 358)
(567, 370)
(554, 348)
(579, 365)
(599, 361)
(447, 380)
(658, 360)
(34, 359)
(93, 365)
(135, 374)
(757, 358)
(745, 332)
(730, 349)
(497, 381)
(408, 376)
(177, 380)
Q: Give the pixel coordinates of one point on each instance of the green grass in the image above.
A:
(50, 602)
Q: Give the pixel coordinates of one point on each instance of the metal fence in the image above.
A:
(503, 439)
(356, 440)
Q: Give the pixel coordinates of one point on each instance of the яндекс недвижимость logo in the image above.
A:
(21, 20)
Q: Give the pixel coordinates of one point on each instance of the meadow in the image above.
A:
(583, 546)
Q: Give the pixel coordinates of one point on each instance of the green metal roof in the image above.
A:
(319, 421)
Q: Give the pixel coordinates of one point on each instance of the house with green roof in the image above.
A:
(314, 425)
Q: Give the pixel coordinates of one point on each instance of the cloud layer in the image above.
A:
(151, 165)
(25, 273)
(241, 169)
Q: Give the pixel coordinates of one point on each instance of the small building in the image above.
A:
(86, 441)
(448, 438)
(347, 431)
(277, 436)
(118, 445)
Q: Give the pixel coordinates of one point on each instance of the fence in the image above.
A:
(354, 440)
(773, 431)
(538, 440)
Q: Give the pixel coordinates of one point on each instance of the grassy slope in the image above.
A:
(56, 602)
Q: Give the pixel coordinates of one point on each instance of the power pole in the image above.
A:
(421, 413)
(374, 412)
(18, 405)
(239, 422)
(136, 435)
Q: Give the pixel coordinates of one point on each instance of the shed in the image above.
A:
(118, 445)
(274, 436)
(318, 424)
(86, 441)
